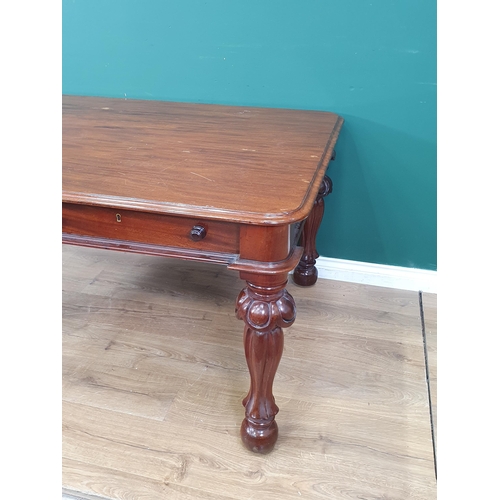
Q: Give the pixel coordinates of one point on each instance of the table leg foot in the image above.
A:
(259, 438)
(266, 310)
(305, 273)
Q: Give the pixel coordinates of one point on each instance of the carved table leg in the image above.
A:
(266, 308)
(305, 273)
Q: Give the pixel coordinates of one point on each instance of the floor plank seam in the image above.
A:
(424, 340)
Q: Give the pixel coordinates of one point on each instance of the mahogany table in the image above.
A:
(238, 186)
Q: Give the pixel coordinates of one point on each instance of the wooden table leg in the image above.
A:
(266, 308)
(305, 273)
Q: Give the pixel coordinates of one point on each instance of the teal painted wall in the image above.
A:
(373, 62)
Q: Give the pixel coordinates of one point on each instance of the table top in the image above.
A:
(241, 164)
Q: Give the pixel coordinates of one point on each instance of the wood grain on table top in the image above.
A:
(245, 164)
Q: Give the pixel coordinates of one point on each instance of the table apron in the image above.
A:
(149, 228)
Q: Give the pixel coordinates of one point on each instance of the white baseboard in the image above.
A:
(404, 278)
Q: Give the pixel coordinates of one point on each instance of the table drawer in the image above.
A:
(155, 229)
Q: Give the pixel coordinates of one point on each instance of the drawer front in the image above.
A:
(155, 229)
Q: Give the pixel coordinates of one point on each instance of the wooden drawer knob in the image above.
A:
(198, 233)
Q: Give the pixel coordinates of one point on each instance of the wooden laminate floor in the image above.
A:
(154, 373)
